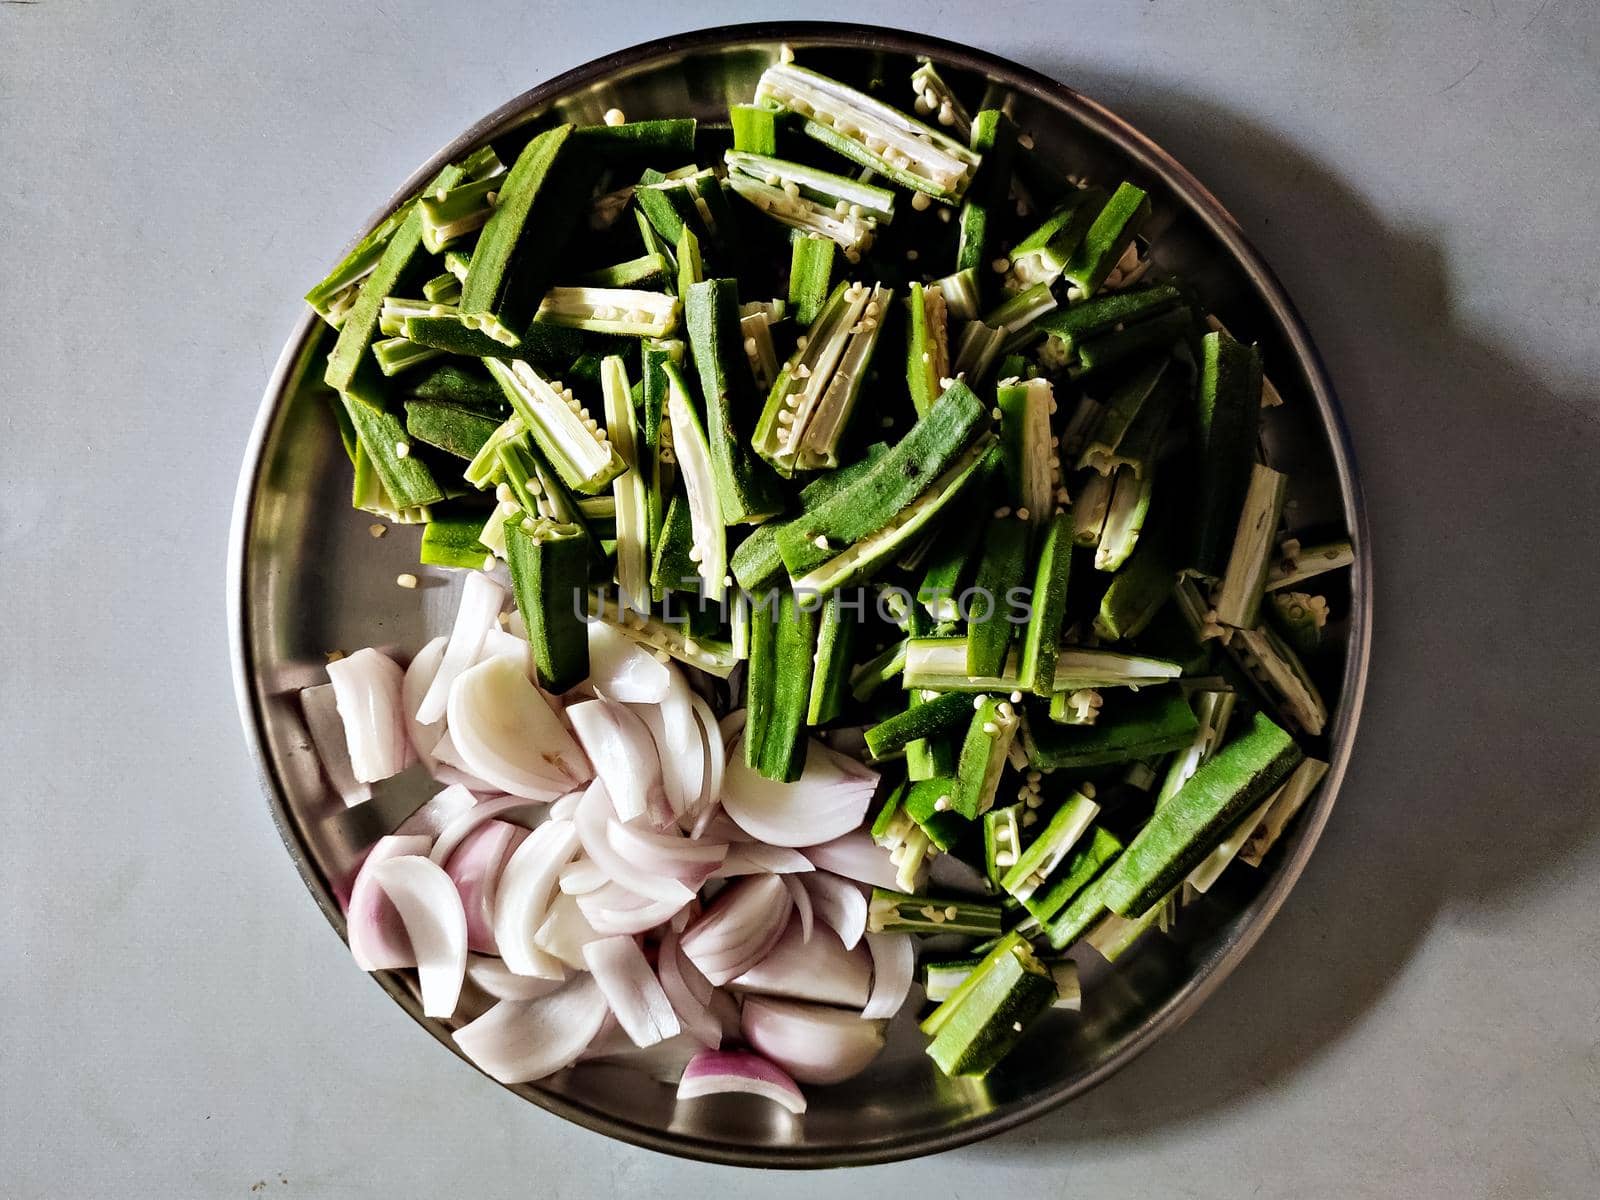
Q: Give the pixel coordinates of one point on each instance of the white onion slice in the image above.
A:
(477, 611)
(623, 753)
(593, 818)
(321, 710)
(497, 643)
(492, 977)
(418, 678)
(430, 909)
(839, 904)
(821, 970)
(631, 989)
(377, 937)
(366, 688)
(674, 855)
(475, 868)
(739, 928)
(894, 962)
(614, 909)
(855, 856)
(520, 1041)
(437, 813)
(506, 733)
(813, 1043)
(622, 670)
(565, 931)
(582, 876)
(526, 884)
(685, 746)
(802, 904)
(517, 809)
(566, 807)
(718, 1072)
(716, 758)
(758, 858)
(688, 990)
(828, 800)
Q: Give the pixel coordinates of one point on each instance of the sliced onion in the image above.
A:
(566, 807)
(437, 813)
(714, 825)
(515, 809)
(366, 689)
(716, 757)
(631, 989)
(593, 819)
(623, 754)
(894, 962)
(520, 1041)
(450, 776)
(614, 909)
(739, 928)
(492, 977)
(506, 733)
(758, 858)
(419, 677)
(582, 876)
(840, 904)
(475, 870)
(376, 934)
(812, 1042)
(526, 884)
(622, 670)
(679, 742)
(855, 856)
(820, 970)
(802, 904)
(430, 909)
(497, 643)
(828, 800)
(565, 931)
(688, 990)
(323, 723)
(476, 613)
(673, 855)
(719, 1072)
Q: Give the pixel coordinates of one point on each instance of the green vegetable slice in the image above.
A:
(549, 572)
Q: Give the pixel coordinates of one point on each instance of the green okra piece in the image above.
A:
(1050, 247)
(1029, 447)
(1294, 563)
(755, 128)
(585, 460)
(443, 288)
(654, 243)
(780, 739)
(1076, 324)
(458, 431)
(761, 674)
(1118, 345)
(929, 719)
(1036, 664)
(655, 456)
(1010, 990)
(994, 138)
(1138, 589)
(1274, 667)
(1113, 231)
(810, 276)
(1299, 618)
(463, 386)
(934, 97)
(867, 678)
(983, 756)
(1238, 600)
(1138, 395)
(645, 271)
(406, 479)
(746, 487)
(1154, 720)
(1002, 569)
(927, 802)
(449, 214)
(1050, 847)
(691, 267)
(453, 542)
(900, 912)
(933, 445)
(1080, 912)
(1183, 830)
(360, 326)
(695, 460)
(1002, 840)
(509, 272)
(1125, 518)
(664, 138)
(549, 574)
(950, 561)
(395, 355)
(356, 265)
(1229, 406)
(1086, 861)
(927, 344)
(831, 676)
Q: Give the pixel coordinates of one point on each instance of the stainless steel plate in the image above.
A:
(305, 577)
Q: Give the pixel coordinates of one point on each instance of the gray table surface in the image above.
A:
(177, 1020)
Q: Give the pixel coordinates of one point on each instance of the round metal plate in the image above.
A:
(305, 577)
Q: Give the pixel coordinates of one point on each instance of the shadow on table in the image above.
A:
(1476, 759)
